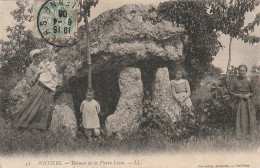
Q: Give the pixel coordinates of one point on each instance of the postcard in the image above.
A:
(136, 83)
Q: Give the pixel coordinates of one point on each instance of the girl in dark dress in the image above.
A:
(37, 109)
(243, 107)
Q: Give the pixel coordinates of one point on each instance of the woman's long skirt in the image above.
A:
(245, 117)
(37, 110)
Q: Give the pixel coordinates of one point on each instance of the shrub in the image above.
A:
(207, 116)
(156, 120)
(217, 110)
(6, 85)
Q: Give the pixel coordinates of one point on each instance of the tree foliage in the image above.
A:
(203, 41)
(191, 124)
(229, 18)
(203, 21)
(15, 51)
(85, 6)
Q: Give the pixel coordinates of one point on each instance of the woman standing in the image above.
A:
(37, 109)
(243, 107)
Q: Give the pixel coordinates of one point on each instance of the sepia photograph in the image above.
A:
(130, 83)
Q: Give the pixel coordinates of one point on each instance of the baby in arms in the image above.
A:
(50, 76)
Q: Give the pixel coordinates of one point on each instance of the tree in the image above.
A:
(14, 56)
(229, 19)
(85, 6)
(203, 43)
(203, 20)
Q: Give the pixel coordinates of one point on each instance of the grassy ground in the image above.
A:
(13, 141)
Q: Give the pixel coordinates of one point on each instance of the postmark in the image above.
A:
(57, 22)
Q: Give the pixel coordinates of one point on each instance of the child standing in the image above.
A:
(90, 109)
(181, 89)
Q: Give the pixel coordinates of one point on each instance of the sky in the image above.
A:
(241, 52)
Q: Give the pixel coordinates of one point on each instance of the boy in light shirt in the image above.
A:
(90, 109)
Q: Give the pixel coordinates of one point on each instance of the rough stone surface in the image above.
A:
(119, 38)
(64, 115)
(162, 94)
(129, 108)
(17, 97)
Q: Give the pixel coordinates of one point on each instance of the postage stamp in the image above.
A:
(57, 22)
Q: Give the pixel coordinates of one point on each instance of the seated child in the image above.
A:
(90, 121)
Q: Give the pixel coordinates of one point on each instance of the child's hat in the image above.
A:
(36, 51)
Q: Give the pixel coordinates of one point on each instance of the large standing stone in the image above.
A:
(64, 115)
(17, 97)
(162, 94)
(129, 108)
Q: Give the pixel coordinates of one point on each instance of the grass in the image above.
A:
(13, 141)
